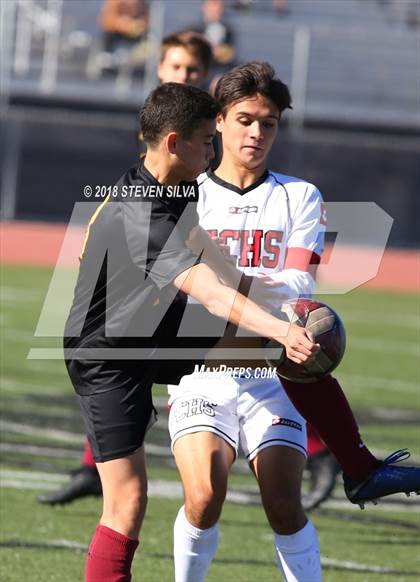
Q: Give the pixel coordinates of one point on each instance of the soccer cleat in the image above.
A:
(323, 470)
(386, 479)
(83, 483)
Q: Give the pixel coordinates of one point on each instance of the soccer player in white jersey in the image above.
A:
(274, 227)
(255, 213)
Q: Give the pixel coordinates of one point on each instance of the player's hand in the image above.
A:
(267, 281)
(299, 344)
(225, 250)
(262, 292)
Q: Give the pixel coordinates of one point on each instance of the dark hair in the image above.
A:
(175, 107)
(246, 81)
(193, 42)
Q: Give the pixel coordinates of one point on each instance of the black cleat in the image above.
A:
(83, 483)
(323, 470)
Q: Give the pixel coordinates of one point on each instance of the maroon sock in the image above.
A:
(324, 404)
(109, 556)
(315, 443)
(88, 459)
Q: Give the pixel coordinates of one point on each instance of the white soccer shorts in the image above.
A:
(254, 414)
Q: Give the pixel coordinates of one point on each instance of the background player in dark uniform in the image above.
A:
(134, 259)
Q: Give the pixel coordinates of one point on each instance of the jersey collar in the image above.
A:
(145, 175)
(240, 191)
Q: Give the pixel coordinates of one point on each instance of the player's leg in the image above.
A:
(83, 482)
(279, 470)
(112, 548)
(273, 437)
(204, 435)
(116, 418)
(203, 460)
(324, 404)
(322, 468)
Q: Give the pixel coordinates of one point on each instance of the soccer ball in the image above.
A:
(328, 331)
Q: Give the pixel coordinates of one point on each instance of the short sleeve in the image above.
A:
(156, 239)
(308, 222)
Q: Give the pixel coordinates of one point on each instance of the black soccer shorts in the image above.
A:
(116, 402)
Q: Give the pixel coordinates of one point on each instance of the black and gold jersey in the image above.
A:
(134, 249)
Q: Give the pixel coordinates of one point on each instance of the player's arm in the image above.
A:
(202, 283)
(216, 255)
(213, 256)
(305, 244)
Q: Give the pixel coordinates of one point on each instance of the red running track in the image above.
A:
(40, 244)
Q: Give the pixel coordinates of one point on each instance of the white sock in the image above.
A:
(298, 555)
(194, 549)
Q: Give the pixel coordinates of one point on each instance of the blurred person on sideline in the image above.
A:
(124, 24)
(218, 32)
(279, 6)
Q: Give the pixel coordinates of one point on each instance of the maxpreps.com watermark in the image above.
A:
(235, 371)
(132, 191)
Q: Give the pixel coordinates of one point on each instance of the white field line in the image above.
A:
(374, 344)
(67, 544)
(356, 567)
(50, 414)
(20, 295)
(33, 476)
(22, 336)
(159, 488)
(383, 382)
(160, 402)
(381, 318)
(326, 562)
(32, 485)
(383, 345)
(396, 415)
(39, 451)
(56, 434)
(12, 385)
(78, 438)
(380, 382)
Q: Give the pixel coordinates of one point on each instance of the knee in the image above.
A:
(285, 514)
(204, 505)
(128, 504)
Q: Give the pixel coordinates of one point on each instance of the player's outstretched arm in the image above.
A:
(202, 283)
(213, 256)
(225, 268)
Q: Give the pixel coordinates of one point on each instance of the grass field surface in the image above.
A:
(42, 438)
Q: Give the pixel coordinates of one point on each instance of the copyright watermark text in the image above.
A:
(131, 191)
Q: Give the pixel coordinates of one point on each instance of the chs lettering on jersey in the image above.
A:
(274, 227)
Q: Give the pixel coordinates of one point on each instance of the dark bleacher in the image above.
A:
(363, 65)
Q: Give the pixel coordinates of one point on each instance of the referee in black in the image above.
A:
(136, 271)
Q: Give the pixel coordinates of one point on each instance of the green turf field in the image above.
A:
(42, 438)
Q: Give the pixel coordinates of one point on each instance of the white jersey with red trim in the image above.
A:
(268, 227)
(275, 217)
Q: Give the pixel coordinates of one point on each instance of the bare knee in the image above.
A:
(285, 514)
(203, 506)
(126, 506)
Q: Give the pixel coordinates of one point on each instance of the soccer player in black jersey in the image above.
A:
(134, 260)
(184, 58)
